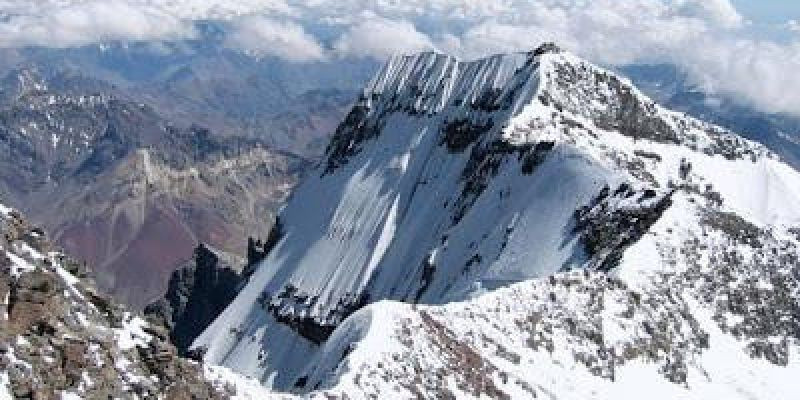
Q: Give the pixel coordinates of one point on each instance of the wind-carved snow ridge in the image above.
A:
(535, 182)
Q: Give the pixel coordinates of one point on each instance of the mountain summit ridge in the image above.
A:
(454, 184)
(516, 85)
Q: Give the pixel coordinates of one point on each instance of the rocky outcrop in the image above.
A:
(197, 292)
(258, 249)
(614, 221)
(673, 88)
(59, 336)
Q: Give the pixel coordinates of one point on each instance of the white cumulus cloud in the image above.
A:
(380, 38)
(708, 38)
(89, 22)
(719, 12)
(262, 36)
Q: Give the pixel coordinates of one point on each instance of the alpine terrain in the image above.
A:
(61, 338)
(125, 189)
(526, 225)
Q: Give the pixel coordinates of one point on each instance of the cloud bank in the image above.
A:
(81, 24)
(262, 36)
(707, 38)
(380, 38)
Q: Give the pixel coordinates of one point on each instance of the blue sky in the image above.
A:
(769, 11)
(769, 17)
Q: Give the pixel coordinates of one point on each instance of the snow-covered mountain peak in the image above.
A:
(430, 74)
(506, 96)
(452, 179)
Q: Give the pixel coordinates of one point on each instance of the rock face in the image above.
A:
(670, 86)
(60, 337)
(523, 226)
(197, 293)
(126, 190)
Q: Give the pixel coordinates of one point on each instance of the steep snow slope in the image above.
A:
(449, 179)
(704, 305)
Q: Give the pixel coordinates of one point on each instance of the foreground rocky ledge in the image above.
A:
(61, 338)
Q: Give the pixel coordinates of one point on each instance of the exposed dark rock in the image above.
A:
(489, 101)
(546, 48)
(196, 294)
(749, 278)
(610, 224)
(623, 110)
(347, 139)
(484, 163)
(428, 270)
(672, 87)
(258, 250)
(795, 232)
(535, 156)
(734, 226)
(647, 154)
(460, 133)
(288, 304)
(469, 369)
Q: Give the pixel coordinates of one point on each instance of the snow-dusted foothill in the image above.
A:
(568, 237)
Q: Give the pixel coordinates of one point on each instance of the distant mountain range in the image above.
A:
(125, 189)
(288, 106)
